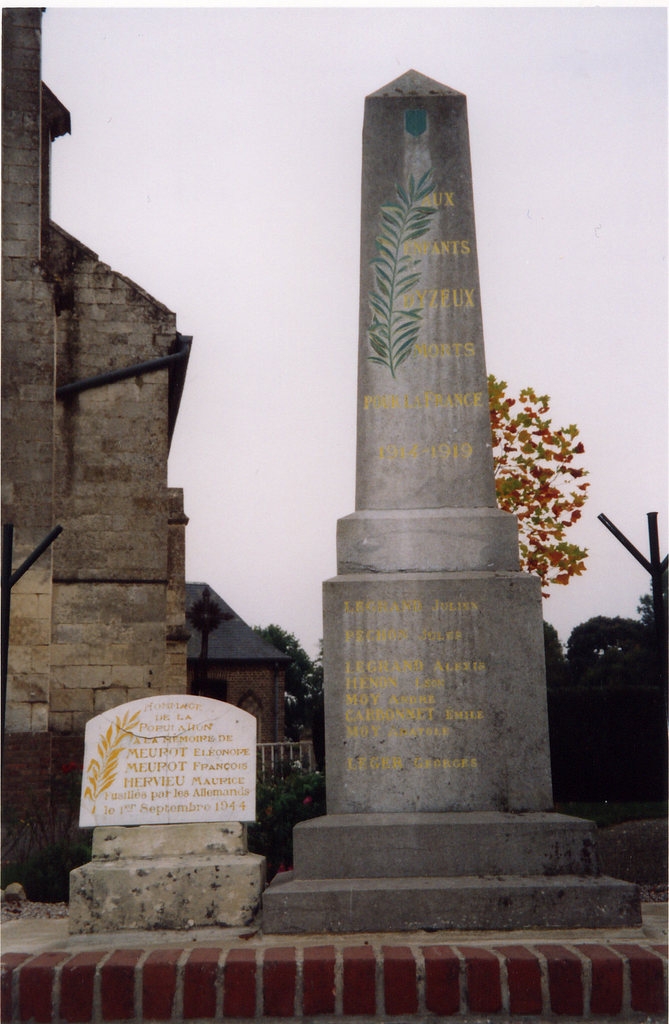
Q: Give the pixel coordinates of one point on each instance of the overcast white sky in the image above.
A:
(215, 159)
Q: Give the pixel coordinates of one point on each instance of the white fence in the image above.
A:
(273, 756)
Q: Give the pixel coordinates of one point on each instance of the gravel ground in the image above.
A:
(26, 910)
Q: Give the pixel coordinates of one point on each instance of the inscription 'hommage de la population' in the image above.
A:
(169, 759)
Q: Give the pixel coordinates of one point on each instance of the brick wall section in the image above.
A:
(27, 779)
(578, 981)
(250, 686)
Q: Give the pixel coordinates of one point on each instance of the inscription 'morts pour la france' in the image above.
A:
(423, 422)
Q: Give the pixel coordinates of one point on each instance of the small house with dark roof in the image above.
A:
(228, 661)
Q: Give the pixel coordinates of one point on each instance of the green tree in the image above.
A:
(557, 669)
(645, 606)
(304, 680)
(537, 477)
(608, 652)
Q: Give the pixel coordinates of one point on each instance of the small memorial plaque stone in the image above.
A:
(169, 759)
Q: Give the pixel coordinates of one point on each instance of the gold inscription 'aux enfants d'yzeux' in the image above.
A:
(444, 348)
(440, 298)
(437, 247)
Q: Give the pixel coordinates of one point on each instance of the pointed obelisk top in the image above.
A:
(424, 438)
(412, 83)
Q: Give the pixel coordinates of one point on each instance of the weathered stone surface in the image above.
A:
(165, 894)
(96, 463)
(14, 893)
(449, 845)
(117, 842)
(166, 877)
(424, 436)
(427, 540)
(435, 697)
(294, 905)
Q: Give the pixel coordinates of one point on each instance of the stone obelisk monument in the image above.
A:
(438, 778)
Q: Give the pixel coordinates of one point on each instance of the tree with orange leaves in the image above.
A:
(538, 479)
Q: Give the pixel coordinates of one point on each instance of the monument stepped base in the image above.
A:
(467, 903)
(450, 871)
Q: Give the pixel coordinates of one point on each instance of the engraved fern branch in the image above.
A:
(393, 332)
(103, 769)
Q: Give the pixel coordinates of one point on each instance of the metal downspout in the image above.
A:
(150, 366)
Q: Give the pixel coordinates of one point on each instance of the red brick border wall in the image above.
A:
(583, 980)
(30, 762)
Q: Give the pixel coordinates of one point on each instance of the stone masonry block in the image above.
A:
(27, 687)
(41, 660)
(166, 893)
(138, 842)
(20, 717)
(64, 723)
(72, 700)
(110, 698)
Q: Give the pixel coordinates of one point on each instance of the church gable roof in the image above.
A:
(233, 639)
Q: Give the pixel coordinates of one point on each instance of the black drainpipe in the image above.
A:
(150, 366)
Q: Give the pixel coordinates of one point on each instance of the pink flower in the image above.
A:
(308, 800)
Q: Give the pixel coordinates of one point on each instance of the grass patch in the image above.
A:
(609, 813)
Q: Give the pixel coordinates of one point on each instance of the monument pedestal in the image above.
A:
(168, 877)
(438, 773)
(452, 871)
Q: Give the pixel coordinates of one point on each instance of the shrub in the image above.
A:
(45, 876)
(281, 802)
(41, 848)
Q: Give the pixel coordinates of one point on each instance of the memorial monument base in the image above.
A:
(446, 871)
(166, 877)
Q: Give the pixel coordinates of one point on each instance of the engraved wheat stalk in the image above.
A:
(103, 769)
(393, 332)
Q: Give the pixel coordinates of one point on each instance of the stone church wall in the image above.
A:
(100, 618)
